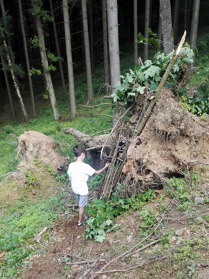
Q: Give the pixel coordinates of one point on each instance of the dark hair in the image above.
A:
(78, 150)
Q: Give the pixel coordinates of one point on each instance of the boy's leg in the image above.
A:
(81, 213)
(83, 201)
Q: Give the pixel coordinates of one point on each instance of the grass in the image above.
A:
(201, 67)
(19, 224)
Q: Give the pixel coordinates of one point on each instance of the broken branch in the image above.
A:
(38, 237)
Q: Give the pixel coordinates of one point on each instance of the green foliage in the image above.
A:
(95, 181)
(200, 75)
(178, 188)
(50, 68)
(34, 42)
(53, 57)
(6, 29)
(31, 179)
(34, 71)
(38, 11)
(185, 256)
(146, 77)
(103, 213)
(194, 178)
(152, 40)
(17, 69)
(206, 217)
(18, 226)
(8, 155)
(197, 103)
(148, 218)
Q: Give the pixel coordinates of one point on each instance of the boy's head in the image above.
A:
(78, 150)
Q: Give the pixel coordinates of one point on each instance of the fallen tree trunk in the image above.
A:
(90, 142)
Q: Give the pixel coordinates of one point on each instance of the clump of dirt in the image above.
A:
(172, 141)
(34, 144)
(34, 175)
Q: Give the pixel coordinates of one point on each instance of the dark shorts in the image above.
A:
(82, 200)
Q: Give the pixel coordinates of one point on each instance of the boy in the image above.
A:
(79, 173)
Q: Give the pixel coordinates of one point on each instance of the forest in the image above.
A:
(69, 38)
(128, 80)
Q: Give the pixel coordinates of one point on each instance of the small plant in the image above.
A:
(148, 218)
(177, 187)
(50, 170)
(31, 179)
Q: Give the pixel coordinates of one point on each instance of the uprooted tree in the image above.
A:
(161, 139)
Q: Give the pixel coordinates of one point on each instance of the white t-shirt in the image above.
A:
(79, 173)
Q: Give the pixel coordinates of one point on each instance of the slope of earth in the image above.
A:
(168, 238)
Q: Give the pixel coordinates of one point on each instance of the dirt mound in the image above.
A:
(34, 174)
(35, 145)
(172, 141)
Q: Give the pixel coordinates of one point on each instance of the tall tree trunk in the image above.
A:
(185, 14)
(87, 51)
(146, 31)
(26, 56)
(176, 20)
(112, 15)
(194, 26)
(159, 31)
(45, 65)
(57, 46)
(69, 58)
(10, 64)
(91, 35)
(8, 87)
(136, 55)
(25, 115)
(105, 45)
(167, 31)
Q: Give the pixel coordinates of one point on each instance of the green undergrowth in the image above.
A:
(103, 213)
(201, 62)
(198, 102)
(182, 212)
(181, 189)
(19, 224)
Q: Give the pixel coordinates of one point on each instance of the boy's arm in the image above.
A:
(101, 170)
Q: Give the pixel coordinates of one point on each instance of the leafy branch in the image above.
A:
(146, 78)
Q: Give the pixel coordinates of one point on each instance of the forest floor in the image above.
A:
(177, 245)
